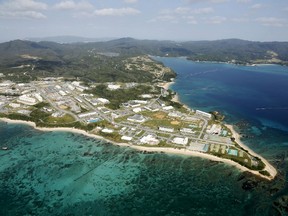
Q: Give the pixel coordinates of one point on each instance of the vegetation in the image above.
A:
(24, 61)
(119, 96)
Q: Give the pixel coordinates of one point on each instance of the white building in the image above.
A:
(103, 100)
(204, 114)
(215, 129)
(180, 140)
(140, 101)
(137, 110)
(62, 93)
(126, 138)
(14, 105)
(107, 130)
(149, 139)
(38, 97)
(25, 99)
(83, 115)
(187, 130)
(113, 87)
(137, 118)
(166, 129)
(168, 108)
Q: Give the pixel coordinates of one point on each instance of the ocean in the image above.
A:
(61, 173)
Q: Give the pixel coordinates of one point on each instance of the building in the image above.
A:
(38, 97)
(126, 138)
(215, 129)
(14, 105)
(204, 114)
(149, 139)
(168, 108)
(107, 130)
(137, 110)
(103, 100)
(187, 130)
(113, 87)
(83, 115)
(25, 99)
(140, 101)
(180, 140)
(137, 118)
(166, 129)
(175, 114)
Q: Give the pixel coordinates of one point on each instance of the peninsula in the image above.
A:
(145, 116)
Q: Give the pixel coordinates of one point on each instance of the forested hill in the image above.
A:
(103, 61)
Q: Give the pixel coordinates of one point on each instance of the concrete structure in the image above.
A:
(204, 114)
(168, 108)
(149, 139)
(62, 93)
(83, 115)
(166, 129)
(175, 114)
(199, 147)
(113, 87)
(180, 140)
(187, 130)
(137, 110)
(137, 118)
(215, 129)
(103, 100)
(107, 130)
(25, 99)
(140, 101)
(14, 105)
(148, 96)
(126, 138)
(38, 97)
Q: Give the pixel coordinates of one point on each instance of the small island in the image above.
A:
(146, 116)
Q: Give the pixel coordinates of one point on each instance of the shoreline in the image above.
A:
(269, 167)
(176, 97)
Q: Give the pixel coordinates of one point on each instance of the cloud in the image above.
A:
(240, 20)
(272, 21)
(191, 20)
(187, 10)
(203, 10)
(116, 12)
(216, 20)
(72, 5)
(130, 1)
(209, 1)
(256, 6)
(244, 1)
(182, 10)
(22, 9)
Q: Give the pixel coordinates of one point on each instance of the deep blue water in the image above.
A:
(256, 95)
(61, 173)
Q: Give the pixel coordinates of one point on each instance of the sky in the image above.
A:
(179, 20)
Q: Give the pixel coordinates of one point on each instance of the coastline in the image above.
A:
(269, 167)
(176, 96)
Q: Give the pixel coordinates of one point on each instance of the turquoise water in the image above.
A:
(61, 173)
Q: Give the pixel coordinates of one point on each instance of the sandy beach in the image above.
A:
(268, 167)
(167, 85)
